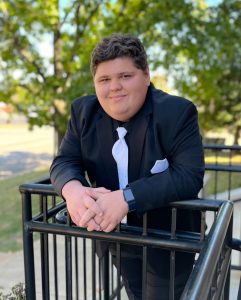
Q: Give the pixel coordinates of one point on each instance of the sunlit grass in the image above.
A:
(236, 159)
(221, 181)
(11, 212)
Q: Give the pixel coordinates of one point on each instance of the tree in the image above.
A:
(41, 82)
(203, 57)
(185, 37)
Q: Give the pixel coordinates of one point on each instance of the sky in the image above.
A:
(213, 2)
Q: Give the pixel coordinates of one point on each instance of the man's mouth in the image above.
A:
(117, 97)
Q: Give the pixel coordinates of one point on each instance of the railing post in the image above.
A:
(228, 279)
(29, 269)
(105, 271)
(44, 250)
(68, 267)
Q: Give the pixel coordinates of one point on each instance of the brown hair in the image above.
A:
(119, 45)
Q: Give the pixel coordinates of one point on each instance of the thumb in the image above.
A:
(101, 190)
(91, 193)
(95, 193)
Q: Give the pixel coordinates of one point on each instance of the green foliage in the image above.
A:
(45, 51)
(203, 56)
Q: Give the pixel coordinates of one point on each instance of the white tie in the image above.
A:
(120, 154)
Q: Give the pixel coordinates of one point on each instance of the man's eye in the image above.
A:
(126, 76)
(104, 79)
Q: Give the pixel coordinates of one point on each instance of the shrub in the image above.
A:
(17, 293)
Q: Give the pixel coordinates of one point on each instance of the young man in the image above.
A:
(161, 160)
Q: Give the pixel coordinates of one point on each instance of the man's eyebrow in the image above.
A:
(103, 76)
(118, 74)
(125, 72)
(129, 72)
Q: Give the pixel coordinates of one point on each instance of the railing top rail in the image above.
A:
(37, 188)
(223, 167)
(194, 204)
(199, 204)
(221, 147)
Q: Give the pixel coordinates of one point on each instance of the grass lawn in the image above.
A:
(223, 158)
(11, 214)
(221, 182)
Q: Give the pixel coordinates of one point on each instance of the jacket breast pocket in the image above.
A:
(160, 166)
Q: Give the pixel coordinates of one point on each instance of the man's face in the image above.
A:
(121, 88)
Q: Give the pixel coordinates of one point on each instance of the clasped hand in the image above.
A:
(94, 208)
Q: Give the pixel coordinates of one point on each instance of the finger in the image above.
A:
(98, 219)
(93, 194)
(93, 226)
(87, 216)
(104, 225)
(93, 206)
(109, 228)
(75, 220)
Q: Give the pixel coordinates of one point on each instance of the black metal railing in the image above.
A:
(223, 181)
(223, 164)
(64, 255)
(63, 262)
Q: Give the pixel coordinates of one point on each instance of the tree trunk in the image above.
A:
(237, 135)
(58, 74)
(58, 136)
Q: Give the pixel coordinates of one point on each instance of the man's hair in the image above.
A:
(119, 45)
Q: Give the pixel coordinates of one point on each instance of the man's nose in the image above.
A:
(115, 85)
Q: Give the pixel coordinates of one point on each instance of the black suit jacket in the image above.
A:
(165, 127)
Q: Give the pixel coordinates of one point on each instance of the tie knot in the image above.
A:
(121, 132)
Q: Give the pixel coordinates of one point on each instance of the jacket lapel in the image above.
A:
(137, 138)
(107, 172)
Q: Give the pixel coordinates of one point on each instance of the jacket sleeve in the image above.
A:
(68, 164)
(184, 177)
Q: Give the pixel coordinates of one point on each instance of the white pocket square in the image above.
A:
(160, 166)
